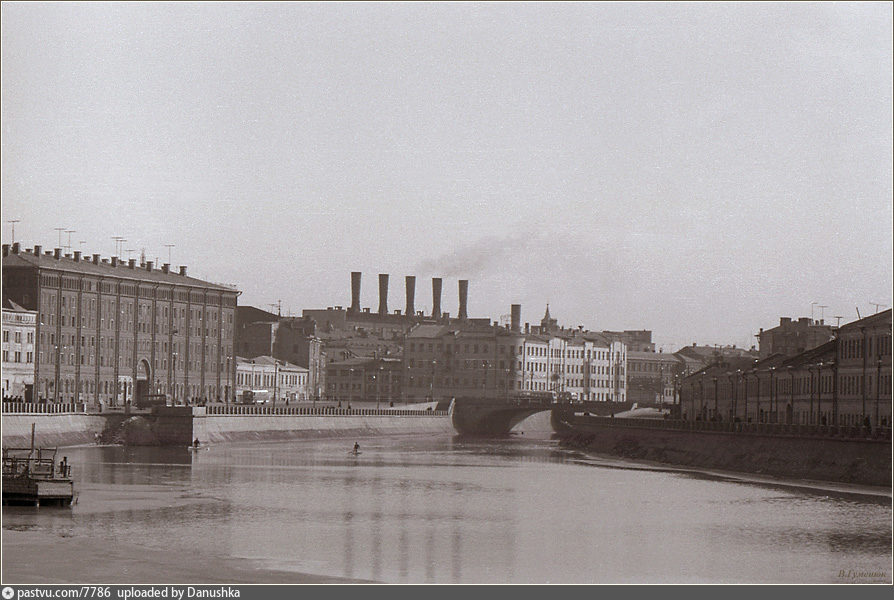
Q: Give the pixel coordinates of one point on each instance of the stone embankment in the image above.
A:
(864, 461)
(181, 425)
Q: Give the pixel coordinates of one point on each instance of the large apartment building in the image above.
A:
(110, 332)
(473, 359)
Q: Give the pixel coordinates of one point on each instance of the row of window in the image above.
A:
(18, 337)
(17, 357)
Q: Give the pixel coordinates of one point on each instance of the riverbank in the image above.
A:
(180, 426)
(836, 460)
(39, 558)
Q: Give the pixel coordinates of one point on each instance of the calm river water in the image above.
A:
(441, 509)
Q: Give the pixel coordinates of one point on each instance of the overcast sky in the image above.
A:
(697, 170)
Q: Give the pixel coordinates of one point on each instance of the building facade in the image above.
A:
(366, 380)
(290, 339)
(793, 337)
(651, 376)
(486, 360)
(110, 332)
(19, 328)
(844, 382)
(264, 379)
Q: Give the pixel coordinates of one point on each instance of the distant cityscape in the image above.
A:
(109, 332)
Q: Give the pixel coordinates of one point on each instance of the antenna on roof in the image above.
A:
(14, 221)
(822, 308)
(839, 317)
(858, 312)
(877, 306)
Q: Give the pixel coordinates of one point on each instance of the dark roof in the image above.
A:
(122, 271)
(870, 321)
(10, 305)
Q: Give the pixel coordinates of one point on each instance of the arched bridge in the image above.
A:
(495, 416)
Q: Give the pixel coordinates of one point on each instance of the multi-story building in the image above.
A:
(634, 340)
(793, 337)
(265, 379)
(651, 376)
(863, 369)
(19, 327)
(846, 382)
(474, 359)
(110, 332)
(368, 380)
(461, 359)
(290, 339)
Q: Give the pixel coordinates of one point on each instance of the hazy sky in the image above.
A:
(698, 170)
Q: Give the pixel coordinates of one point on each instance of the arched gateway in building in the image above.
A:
(141, 386)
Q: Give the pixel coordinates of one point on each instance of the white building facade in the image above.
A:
(19, 326)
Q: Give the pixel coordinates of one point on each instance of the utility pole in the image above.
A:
(169, 246)
(69, 232)
(838, 323)
(60, 230)
(877, 306)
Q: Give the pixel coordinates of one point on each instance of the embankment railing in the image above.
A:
(249, 410)
(43, 408)
(781, 429)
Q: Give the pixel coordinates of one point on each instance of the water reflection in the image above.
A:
(439, 510)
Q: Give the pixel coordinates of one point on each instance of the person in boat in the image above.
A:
(356, 448)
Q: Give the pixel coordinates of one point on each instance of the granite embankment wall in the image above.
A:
(52, 429)
(179, 426)
(866, 462)
(231, 428)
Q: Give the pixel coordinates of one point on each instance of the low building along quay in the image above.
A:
(842, 382)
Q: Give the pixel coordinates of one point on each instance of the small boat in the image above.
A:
(355, 453)
(32, 476)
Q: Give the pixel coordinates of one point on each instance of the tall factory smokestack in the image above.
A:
(383, 293)
(411, 295)
(515, 324)
(436, 297)
(463, 298)
(355, 291)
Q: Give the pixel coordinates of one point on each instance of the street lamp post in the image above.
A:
(774, 417)
(878, 376)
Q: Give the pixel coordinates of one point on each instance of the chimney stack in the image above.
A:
(77, 256)
(436, 297)
(463, 298)
(5, 249)
(57, 253)
(96, 259)
(355, 292)
(383, 293)
(114, 261)
(15, 248)
(183, 270)
(148, 265)
(411, 295)
(527, 328)
(166, 268)
(38, 250)
(132, 263)
(515, 325)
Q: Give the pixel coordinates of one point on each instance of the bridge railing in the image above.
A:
(250, 410)
(781, 429)
(43, 408)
